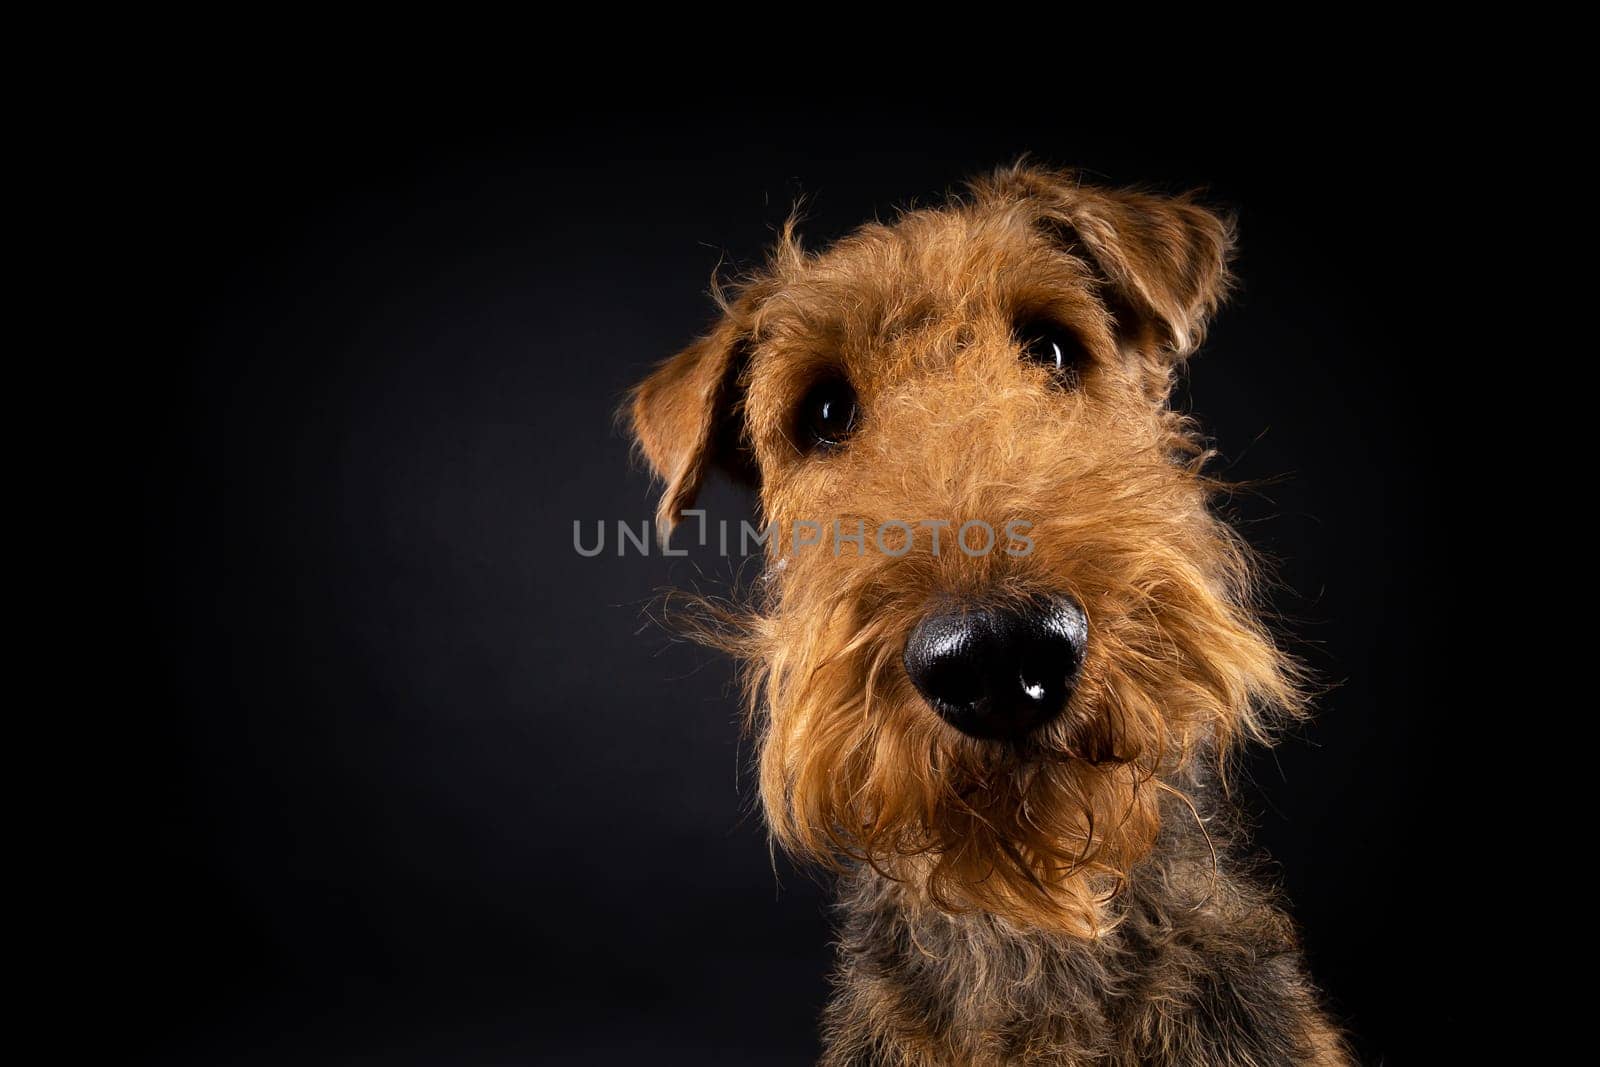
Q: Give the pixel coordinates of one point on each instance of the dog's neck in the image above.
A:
(919, 985)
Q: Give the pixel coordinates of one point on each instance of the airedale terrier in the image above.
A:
(1012, 744)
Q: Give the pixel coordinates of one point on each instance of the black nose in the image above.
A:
(999, 672)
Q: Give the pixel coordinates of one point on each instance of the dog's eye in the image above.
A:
(827, 414)
(1054, 346)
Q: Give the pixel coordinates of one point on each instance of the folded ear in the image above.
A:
(1164, 259)
(682, 416)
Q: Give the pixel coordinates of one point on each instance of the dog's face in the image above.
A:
(991, 720)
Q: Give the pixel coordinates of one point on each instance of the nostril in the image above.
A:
(1046, 668)
(945, 658)
(1056, 633)
(956, 680)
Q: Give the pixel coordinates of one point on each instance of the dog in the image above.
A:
(1015, 759)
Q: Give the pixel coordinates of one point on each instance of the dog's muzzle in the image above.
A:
(999, 673)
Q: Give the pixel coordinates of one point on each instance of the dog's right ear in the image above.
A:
(684, 414)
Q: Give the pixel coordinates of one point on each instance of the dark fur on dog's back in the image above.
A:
(1051, 898)
(1192, 941)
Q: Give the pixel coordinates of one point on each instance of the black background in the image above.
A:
(423, 786)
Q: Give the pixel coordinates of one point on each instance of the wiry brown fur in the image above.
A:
(1053, 901)
(1200, 968)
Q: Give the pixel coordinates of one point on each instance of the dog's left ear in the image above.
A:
(1163, 259)
(683, 417)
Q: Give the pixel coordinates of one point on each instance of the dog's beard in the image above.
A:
(855, 768)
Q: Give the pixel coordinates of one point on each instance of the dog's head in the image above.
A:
(1000, 617)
